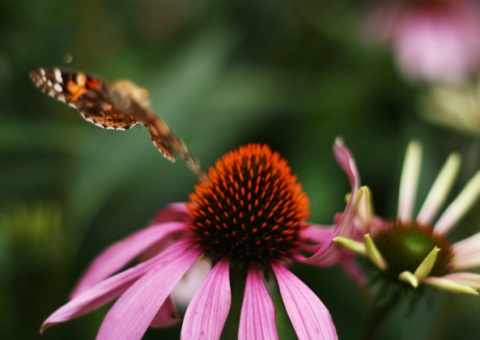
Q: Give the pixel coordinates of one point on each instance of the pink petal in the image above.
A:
(467, 253)
(353, 270)
(119, 254)
(347, 163)
(422, 34)
(309, 317)
(110, 288)
(135, 310)
(166, 315)
(330, 253)
(315, 237)
(257, 320)
(436, 43)
(173, 212)
(469, 279)
(344, 225)
(208, 311)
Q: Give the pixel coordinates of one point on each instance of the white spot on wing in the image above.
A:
(81, 79)
(58, 88)
(58, 75)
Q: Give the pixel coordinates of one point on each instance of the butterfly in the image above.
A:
(112, 105)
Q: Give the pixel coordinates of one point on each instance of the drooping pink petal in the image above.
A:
(347, 163)
(466, 253)
(208, 311)
(172, 213)
(329, 252)
(135, 310)
(119, 254)
(166, 315)
(309, 317)
(353, 270)
(112, 287)
(257, 320)
(315, 237)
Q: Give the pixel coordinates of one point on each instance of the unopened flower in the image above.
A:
(433, 40)
(455, 106)
(248, 214)
(412, 250)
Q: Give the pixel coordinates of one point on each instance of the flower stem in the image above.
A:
(383, 306)
(237, 282)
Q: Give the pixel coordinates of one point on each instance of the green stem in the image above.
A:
(382, 308)
(237, 282)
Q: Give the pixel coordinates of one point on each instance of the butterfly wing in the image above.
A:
(117, 106)
(89, 95)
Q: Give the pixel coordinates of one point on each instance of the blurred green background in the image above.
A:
(292, 74)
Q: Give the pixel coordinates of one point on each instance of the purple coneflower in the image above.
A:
(433, 40)
(248, 214)
(414, 251)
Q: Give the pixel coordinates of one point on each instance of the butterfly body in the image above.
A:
(118, 106)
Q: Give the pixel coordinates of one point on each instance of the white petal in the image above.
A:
(459, 206)
(440, 189)
(467, 253)
(469, 279)
(409, 181)
(450, 285)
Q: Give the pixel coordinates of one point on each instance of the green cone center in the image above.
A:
(405, 245)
